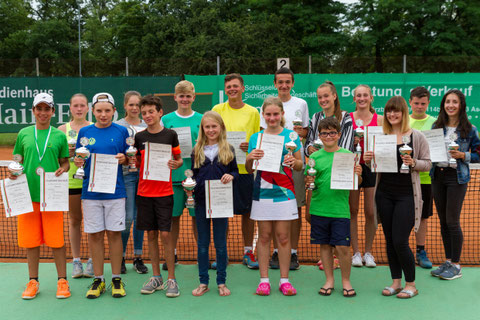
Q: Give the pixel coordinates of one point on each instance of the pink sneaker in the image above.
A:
(287, 289)
(263, 289)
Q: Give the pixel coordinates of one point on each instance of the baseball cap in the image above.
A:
(103, 97)
(43, 98)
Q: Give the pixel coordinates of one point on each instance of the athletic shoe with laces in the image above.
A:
(96, 289)
(152, 285)
(123, 270)
(357, 260)
(77, 269)
(63, 289)
(263, 289)
(287, 289)
(369, 260)
(451, 272)
(118, 288)
(33, 288)
(274, 264)
(437, 272)
(294, 264)
(171, 286)
(423, 260)
(165, 267)
(88, 273)
(139, 266)
(249, 260)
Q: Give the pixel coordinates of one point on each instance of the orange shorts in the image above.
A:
(36, 228)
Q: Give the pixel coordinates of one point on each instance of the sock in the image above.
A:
(36, 279)
(264, 280)
(293, 251)
(284, 280)
(124, 255)
(275, 250)
(116, 276)
(175, 251)
(76, 259)
(457, 265)
(100, 277)
(64, 278)
(160, 276)
(245, 249)
(420, 248)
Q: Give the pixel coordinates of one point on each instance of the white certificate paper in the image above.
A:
(103, 173)
(343, 175)
(185, 140)
(16, 196)
(436, 144)
(235, 138)
(272, 146)
(155, 161)
(219, 199)
(53, 192)
(384, 153)
(370, 132)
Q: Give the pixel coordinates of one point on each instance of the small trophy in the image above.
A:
(312, 173)
(318, 144)
(72, 142)
(291, 146)
(15, 167)
(405, 150)
(189, 184)
(453, 146)
(359, 132)
(297, 121)
(131, 153)
(82, 153)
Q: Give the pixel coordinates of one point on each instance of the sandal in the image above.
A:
(287, 289)
(200, 290)
(408, 294)
(391, 291)
(348, 293)
(325, 291)
(223, 291)
(263, 289)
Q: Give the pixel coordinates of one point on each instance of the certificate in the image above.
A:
(436, 144)
(368, 136)
(53, 192)
(384, 153)
(235, 138)
(155, 161)
(219, 199)
(272, 146)
(16, 196)
(103, 173)
(343, 175)
(185, 140)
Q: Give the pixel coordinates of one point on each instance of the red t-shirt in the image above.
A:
(373, 123)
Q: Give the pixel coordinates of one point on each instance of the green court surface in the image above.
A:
(437, 299)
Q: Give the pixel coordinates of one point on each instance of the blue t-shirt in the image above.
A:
(110, 140)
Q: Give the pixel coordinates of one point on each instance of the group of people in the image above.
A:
(274, 200)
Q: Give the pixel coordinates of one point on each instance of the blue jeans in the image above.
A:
(131, 185)
(220, 241)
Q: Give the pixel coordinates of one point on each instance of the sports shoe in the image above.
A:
(124, 268)
(152, 285)
(88, 273)
(172, 288)
(139, 266)
(77, 269)
(118, 288)
(423, 260)
(263, 289)
(294, 264)
(96, 288)
(63, 289)
(274, 264)
(369, 260)
(249, 260)
(287, 289)
(33, 288)
(451, 272)
(437, 272)
(357, 260)
(165, 267)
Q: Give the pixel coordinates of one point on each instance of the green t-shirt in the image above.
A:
(174, 120)
(423, 125)
(327, 202)
(25, 146)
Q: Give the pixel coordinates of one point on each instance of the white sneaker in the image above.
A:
(357, 260)
(369, 260)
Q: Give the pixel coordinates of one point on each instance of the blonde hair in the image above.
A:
(225, 154)
(337, 112)
(275, 101)
(396, 103)
(184, 87)
(127, 97)
(79, 95)
(372, 110)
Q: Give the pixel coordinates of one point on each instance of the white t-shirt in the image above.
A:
(294, 108)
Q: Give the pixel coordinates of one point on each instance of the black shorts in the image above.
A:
(73, 192)
(427, 210)
(243, 194)
(154, 213)
(332, 231)
(369, 178)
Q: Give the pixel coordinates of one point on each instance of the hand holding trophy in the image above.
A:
(453, 145)
(82, 153)
(189, 184)
(131, 153)
(290, 146)
(15, 167)
(404, 151)
(312, 173)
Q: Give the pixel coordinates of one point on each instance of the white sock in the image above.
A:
(275, 250)
(100, 277)
(76, 259)
(284, 280)
(115, 276)
(264, 280)
(245, 249)
(457, 265)
(175, 251)
(293, 251)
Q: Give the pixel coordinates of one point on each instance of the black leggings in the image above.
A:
(397, 214)
(449, 195)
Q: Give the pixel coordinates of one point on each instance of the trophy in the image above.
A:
(453, 146)
(312, 173)
(131, 153)
(318, 144)
(290, 146)
(359, 132)
(189, 184)
(15, 167)
(297, 121)
(82, 153)
(72, 142)
(405, 150)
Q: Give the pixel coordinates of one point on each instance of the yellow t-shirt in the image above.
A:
(247, 119)
(73, 183)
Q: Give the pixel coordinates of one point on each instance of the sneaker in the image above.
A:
(287, 289)
(124, 267)
(88, 273)
(172, 288)
(451, 272)
(357, 260)
(118, 288)
(294, 264)
(437, 272)
(63, 289)
(77, 269)
(152, 285)
(139, 266)
(249, 260)
(423, 260)
(165, 267)
(263, 289)
(274, 264)
(96, 288)
(33, 288)
(369, 260)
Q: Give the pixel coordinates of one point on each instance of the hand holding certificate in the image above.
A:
(343, 175)
(155, 162)
(369, 133)
(272, 146)
(185, 140)
(103, 173)
(384, 153)
(219, 199)
(436, 143)
(235, 138)
(53, 191)
(16, 196)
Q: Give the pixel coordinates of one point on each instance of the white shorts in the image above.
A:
(267, 210)
(100, 215)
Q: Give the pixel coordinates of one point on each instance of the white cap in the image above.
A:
(103, 97)
(43, 98)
